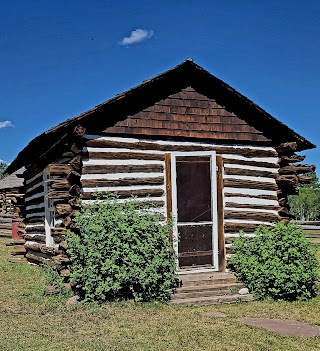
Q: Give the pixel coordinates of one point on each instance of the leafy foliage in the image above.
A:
(306, 205)
(52, 277)
(276, 263)
(3, 167)
(122, 252)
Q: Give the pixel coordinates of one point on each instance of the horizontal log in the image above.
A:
(252, 206)
(14, 242)
(7, 220)
(38, 257)
(18, 260)
(305, 180)
(59, 169)
(287, 180)
(287, 147)
(39, 237)
(64, 209)
(59, 231)
(106, 169)
(18, 250)
(38, 219)
(228, 161)
(297, 169)
(92, 183)
(125, 156)
(16, 195)
(58, 194)
(61, 259)
(129, 193)
(5, 226)
(39, 247)
(35, 229)
(59, 184)
(291, 158)
(144, 145)
(250, 172)
(237, 227)
(249, 184)
(256, 216)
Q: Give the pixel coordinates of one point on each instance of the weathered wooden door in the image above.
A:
(194, 206)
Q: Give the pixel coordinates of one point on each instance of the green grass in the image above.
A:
(30, 321)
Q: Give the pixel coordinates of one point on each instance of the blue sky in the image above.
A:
(60, 58)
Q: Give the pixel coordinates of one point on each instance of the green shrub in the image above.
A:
(277, 263)
(122, 251)
(52, 277)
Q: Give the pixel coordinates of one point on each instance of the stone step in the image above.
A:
(207, 290)
(206, 279)
(213, 300)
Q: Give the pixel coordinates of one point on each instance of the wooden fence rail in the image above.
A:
(311, 230)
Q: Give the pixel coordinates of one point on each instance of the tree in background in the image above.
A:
(306, 205)
(3, 166)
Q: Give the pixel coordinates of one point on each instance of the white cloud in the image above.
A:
(6, 124)
(137, 36)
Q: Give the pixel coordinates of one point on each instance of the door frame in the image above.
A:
(213, 172)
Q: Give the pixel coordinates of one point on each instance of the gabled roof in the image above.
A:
(12, 181)
(183, 75)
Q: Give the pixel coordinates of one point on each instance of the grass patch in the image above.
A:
(31, 321)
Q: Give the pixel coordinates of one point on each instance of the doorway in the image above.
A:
(194, 208)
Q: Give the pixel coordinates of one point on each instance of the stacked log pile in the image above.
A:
(11, 206)
(290, 176)
(63, 189)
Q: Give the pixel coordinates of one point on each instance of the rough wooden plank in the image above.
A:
(250, 172)
(106, 169)
(256, 216)
(288, 147)
(291, 158)
(296, 169)
(125, 156)
(92, 183)
(228, 161)
(35, 229)
(39, 237)
(252, 206)
(266, 197)
(249, 184)
(59, 169)
(128, 193)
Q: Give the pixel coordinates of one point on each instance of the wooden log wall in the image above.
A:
(60, 189)
(11, 206)
(134, 166)
(254, 180)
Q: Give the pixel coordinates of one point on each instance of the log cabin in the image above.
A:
(11, 203)
(185, 140)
